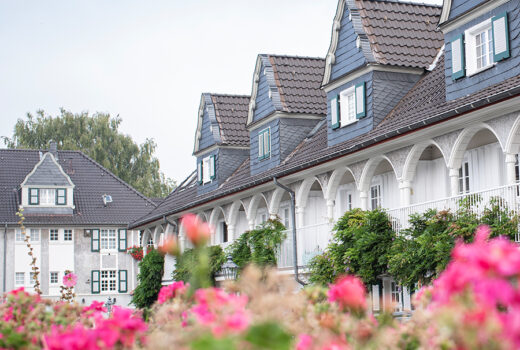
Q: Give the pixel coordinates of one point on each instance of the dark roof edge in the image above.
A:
(470, 106)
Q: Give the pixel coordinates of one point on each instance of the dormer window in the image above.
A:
(348, 106)
(47, 196)
(206, 169)
(479, 47)
(264, 143)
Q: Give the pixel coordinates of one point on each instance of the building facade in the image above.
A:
(76, 215)
(414, 107)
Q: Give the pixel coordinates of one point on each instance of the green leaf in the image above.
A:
(268, 335)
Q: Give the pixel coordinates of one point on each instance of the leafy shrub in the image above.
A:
(360, 245)
(186, 264)
(150, 278)
(259, 246)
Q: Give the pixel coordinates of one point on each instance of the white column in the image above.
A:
(251, 224)
(405, 189)
(510, 168)
(273, 216)
(300, 216)
(363, 196)
(454, 182)
(231, 233)
(330, 209)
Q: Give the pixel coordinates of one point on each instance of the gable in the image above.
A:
(47, 173)
(208, 132)
(453, 8)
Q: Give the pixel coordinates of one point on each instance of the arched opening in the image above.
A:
(479, 159)
(427, 174)
(347, 194)
(220, 227)
(262, 211)
(382, 189)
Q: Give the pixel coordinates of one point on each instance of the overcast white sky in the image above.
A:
(147, 61)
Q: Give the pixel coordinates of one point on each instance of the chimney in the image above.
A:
(53, 149)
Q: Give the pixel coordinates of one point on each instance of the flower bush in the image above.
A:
(136, 252)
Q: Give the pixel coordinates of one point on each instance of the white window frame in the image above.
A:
(464, 178)
(349, 197)
(107, 279)
(17, 280)
(470, 37)
(31, 279)
(105, 242)
(47, 196)
(378, 198)
(19, 236)
(57, 274)
(346, 97)
(32, 237)
(396, 296)
(264, 143)
(205, 170)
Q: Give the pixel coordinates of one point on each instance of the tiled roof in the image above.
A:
(299, 80)
(231, 113)
(424, 105)
(91, 182)
(401, 34)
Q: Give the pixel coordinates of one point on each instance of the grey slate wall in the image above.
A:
(458, 7)
(84, 261)
(348, 56)
(257, 166)
(501, 71)
(363, 125)
(264, 105)
(228, 161)
(212, 185)
(47, 174)
(208, 136)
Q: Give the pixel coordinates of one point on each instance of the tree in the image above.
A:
(150, 278)
(97, 136)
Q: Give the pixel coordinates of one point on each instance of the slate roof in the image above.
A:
(231, 113)
(91, 182)
(299, 80)
(424, 105)
(400, 33)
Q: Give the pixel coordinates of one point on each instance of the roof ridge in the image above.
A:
(407, 3)
(116, 177)
(226, 95)
(295, 56)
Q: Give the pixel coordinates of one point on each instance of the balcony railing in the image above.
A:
(312, 240)
(506, 197)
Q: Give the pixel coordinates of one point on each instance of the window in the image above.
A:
(224, 231)
(479, 47)
(61, 196)
(67, 235)
(150, 243)
(54, 277)
(347, 103)
(35, 235)
(34, 197)
(464, 178)
(47, 196)
(53, 235)
(396, 296)
(31, 278)
(205, 172)
(264, 143)
(20, 237)
(206, 169)
(349, 201)
(19, 278)
(375, 196)
(286, 218)
(108, 280)
(108, 239)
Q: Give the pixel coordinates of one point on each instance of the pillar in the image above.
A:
(510, 168)
(251, 224)
(363, 196)
(454, 182)
(300, 216)
(330, 209)
(405, 189)
(231, 233)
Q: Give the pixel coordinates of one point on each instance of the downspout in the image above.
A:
(293, 217)
(5, 260)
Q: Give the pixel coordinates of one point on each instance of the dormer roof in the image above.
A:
(390, 33)
(227, 116)
(47, 172)
(294, 83)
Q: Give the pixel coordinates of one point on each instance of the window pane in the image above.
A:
(20, 278)
(53, 235)
(260, 145)
(19, 236)
(67, 235)
(54, 278)
(35, 235)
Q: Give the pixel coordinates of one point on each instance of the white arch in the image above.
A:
(276, 199)
(202, 215)
(215, 214)
(513, 139)
(369, 170)
(461, 144)
(253, 206)
(303, 191)
(233, 212)
(410, 164)
(335, 180)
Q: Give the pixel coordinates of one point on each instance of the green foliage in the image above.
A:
(360, 245)
(188, 262)
(268, 335)
(97, 136)
(208, 342)
(259, 246)
(423, 250)
(150, 278)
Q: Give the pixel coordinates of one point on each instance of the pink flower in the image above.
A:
(198, 232)
(170, 246)
(348, 292)
(95, 307)
(169, 292)
(70, 279)
(304, 342)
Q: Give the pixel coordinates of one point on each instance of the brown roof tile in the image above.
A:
(231, 113)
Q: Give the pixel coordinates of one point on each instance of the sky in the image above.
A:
(146, 61)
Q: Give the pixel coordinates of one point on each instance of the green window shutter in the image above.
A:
(212, 168)
(457, 57)
(34, 196)
(199, 165)
(61, 196)
(268, 134)
(360, 97)
(261, 154)
(122, 240)
(95, 276)
(94, 240)
(500, 37)
(123, 281)
(334, 112)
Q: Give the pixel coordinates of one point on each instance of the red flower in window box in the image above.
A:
(136, 252)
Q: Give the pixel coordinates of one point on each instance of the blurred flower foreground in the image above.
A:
(474, 304)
